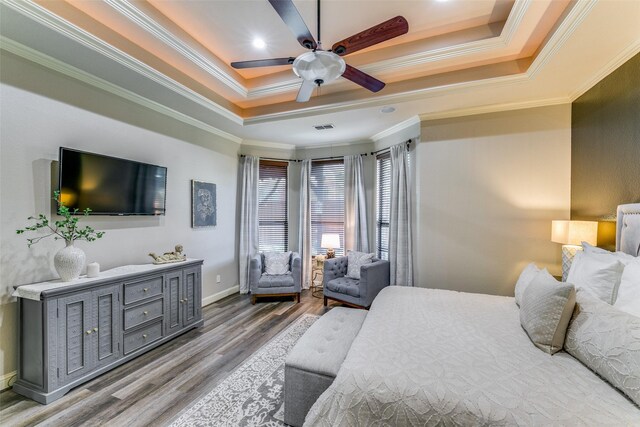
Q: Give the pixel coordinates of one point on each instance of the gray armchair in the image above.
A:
(265, 285)
(360, 293)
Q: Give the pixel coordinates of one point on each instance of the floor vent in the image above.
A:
(324, 127)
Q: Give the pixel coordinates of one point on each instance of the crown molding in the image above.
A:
(519, 9)
(628, 53)
(268, 144)
(42, 16)
(574, 18)
(75, 73)
(381, 100)
(494, 108)
(139, 18)
(414, 120)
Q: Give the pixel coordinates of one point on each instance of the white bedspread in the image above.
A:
(434, 357)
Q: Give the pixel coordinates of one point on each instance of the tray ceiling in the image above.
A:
(459, 55)
(194, 41)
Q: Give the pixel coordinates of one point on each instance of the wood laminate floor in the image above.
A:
(153, 388)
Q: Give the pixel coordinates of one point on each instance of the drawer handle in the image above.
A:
(145, 289)
(145, 312)
(144, 336)
(89, 332)
(95, 329)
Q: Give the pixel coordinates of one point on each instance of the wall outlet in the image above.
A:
(218, 280)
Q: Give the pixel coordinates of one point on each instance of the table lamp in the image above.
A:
(571, 234)
(330, 241)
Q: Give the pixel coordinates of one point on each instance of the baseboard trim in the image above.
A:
(4, 380)
(218, 296)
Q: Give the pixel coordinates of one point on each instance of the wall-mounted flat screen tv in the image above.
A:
(109, 185)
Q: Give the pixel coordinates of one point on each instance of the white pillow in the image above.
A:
(524, 280)
(355, 260)
(600, 275)
(620, 256)
(629, 290)
(276, 262)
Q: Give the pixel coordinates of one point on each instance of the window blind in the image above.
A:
(383, 191)
(327, 203)
(272, 207)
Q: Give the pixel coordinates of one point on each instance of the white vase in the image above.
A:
(69, 262)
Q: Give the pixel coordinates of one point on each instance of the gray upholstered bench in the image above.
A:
(314, 361)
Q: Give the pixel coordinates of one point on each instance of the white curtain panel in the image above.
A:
(400, 248)
(304, 236)
(355, 205)
(249, 238)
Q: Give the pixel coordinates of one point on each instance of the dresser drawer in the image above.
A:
(134, 316)
(141, 290)
(138, 339)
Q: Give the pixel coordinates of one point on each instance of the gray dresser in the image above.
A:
(76, 332)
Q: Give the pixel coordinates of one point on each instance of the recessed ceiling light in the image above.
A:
(387, 109)
(258, 43)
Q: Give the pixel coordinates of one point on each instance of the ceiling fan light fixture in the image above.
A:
(319, 65)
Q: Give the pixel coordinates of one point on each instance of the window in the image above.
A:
(327, 203)
(272, 206)
(383, 190)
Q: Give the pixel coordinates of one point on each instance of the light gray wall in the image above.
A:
(35, 122)
(488, 187)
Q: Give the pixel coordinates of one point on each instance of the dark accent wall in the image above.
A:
(605, 146)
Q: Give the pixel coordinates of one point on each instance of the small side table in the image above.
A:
(317, 274)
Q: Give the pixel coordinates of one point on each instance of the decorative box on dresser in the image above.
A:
(72, 332)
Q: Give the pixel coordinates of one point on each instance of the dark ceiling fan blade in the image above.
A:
(263, 63)
(306, 90)
(290, 15)
(362, 79)
(394, 27)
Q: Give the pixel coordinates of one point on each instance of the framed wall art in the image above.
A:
(203, 204)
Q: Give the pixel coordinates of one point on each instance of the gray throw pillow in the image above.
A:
(524, 280)
(355, 260)
(607, 341)
(276, 262)
(545, 311)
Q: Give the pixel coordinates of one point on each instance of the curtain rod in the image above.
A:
(319, 159)
(384, 150)
(272, 159)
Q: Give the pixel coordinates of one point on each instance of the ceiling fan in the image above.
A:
(320, 66)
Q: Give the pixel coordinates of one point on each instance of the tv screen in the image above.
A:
(109, 185)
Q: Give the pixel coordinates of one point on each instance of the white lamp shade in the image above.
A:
(330, 241)
(574, 232)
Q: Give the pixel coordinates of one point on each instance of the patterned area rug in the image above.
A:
(253, 395)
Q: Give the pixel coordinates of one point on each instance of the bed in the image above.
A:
(436, 357)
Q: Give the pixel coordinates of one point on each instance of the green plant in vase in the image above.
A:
(70, 260)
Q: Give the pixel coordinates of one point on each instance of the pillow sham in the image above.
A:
(620, 256)
(355, 260)
(607, 341)
(545, 311)
(525, 278)
(597, 274)
(276, 262)
(629, 291)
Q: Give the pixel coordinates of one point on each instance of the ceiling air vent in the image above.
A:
(324, 127)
